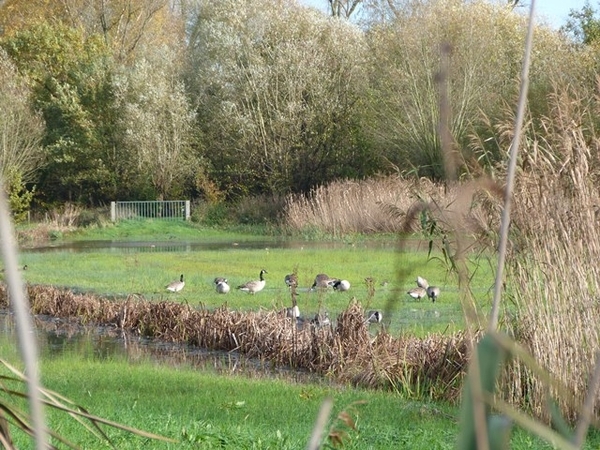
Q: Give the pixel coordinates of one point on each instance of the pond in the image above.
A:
(108, 246)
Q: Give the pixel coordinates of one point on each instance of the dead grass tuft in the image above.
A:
(348, 353)
(55, 223)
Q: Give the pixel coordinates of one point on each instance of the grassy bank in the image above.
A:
(204, 410)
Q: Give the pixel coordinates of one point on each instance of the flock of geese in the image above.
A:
(424, 290)
(322, 282)
(222, 285)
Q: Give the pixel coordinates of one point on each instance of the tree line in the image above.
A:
(217, 100)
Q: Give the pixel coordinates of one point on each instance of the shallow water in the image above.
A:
(58, 337)
(197, 246)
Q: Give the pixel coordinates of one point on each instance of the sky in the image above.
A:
(556, 12)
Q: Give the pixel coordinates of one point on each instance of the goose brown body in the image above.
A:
(254, 286)
(176, 286)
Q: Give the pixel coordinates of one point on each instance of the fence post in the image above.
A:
(187, 210)
(113, 211)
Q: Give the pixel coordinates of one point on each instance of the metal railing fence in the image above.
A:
(141, 210)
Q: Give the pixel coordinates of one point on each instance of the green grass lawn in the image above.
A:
(122, 272)
(200, 409)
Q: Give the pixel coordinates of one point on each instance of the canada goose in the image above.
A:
(433, 292)
(294, 311)
(374, 316)
(301, 323)
(254, 286)
(341, 285)
(221, 285)
(176, 286)
(422, 282)
(291, 280)
(322, 281)
(321, 320)
(418, 293)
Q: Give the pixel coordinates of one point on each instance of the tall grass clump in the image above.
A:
(551, 270)
(366, 206)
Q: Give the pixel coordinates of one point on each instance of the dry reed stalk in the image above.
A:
(353, 206)
(27, 344)
(552, 273)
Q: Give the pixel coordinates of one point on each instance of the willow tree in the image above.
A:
(21, 131)
(158, 123)
(486, 45)
(279, 90)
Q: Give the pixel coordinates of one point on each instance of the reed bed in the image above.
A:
(347, 352)
(366, 206)
(552, 271)
(382, 205)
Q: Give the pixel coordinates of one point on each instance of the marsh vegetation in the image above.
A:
(313, 127)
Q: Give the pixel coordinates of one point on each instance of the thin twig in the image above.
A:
(20, 306)
(514, 151)
(322, 418)
(588, 405)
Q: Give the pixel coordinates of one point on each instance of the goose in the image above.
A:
(302, 322)
(422, 282)
(321, 320)
(418, 293)
(433, 292)
(294, 311)
(374, 316)
(221, 285)
(341, 285)
(176, 286)
(322, 281)
(254, 286)
(291, 280)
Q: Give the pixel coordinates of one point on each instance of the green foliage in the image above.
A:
(212, 214)
(280, 104)
(583, 25)
(69, 75)
(481, 384)
(19, 196)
